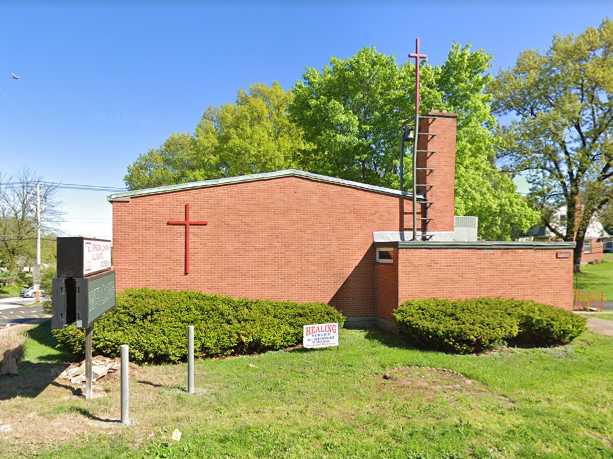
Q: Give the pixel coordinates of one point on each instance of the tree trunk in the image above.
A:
(578, 253)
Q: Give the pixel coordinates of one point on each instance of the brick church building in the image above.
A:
(294, 235)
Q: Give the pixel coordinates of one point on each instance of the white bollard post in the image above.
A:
(125, 390)
(191, 388)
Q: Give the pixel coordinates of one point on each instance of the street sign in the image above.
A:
(95, 296)
(320, 335)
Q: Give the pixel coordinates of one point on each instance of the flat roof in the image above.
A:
(484, 245)
(254, 178)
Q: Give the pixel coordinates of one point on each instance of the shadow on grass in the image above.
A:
(93, 417)
(42, 366)
(152, 384)
(32, 379)
(387, 338)
(393, 340)
(74, 390)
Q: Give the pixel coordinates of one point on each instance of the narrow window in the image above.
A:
(385, 255)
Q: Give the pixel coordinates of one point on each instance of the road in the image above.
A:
(15, 311)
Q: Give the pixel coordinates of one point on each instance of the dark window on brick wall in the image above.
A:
(385, 255)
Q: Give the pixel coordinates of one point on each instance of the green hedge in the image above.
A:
(479, 324)
(154, 324)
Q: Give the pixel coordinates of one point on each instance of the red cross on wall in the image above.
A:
(187, 223)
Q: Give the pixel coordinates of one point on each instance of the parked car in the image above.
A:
(608, 247)
(29, 292)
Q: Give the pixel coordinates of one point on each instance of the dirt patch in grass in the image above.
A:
(431, 383)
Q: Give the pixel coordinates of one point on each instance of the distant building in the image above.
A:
(597, 239)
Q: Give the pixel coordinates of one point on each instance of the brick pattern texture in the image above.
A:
(386, 286)
(436, 169)
(526, 274)
(285, 239)
(596, 255)
(298, 239)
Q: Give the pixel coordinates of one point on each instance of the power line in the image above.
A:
(7, 239)
(66, 186)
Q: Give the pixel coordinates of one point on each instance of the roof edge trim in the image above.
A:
(485, 245)
(126, 195)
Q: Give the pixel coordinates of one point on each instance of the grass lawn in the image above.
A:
(8, 291)
(555, 402)
(598, 277)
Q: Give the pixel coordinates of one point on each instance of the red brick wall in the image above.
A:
(386, 286)
(442, 144)
(286, 238)
(596, 255)
(467, 273)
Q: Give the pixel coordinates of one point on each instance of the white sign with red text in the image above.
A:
(319, 335)
(96, 256)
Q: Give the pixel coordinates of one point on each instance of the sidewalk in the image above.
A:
(600, 326)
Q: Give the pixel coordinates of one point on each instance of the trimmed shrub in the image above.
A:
(154, 324)
(543, 325)
(453, 326)
(479, 324)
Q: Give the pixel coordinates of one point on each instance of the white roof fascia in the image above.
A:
(126, 195)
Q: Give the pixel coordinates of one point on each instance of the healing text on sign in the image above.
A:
(96, 256)
(319, 335)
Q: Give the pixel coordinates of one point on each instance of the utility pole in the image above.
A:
(36, 273)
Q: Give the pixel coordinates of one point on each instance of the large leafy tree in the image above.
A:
(254, 134)
(353, 111)
(560, 137)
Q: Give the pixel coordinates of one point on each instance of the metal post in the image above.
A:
(418, 57)
(415, 141)
(36, 279)
(191, 388)
(401, 165)
(125, 391)
(401, 179)
(89, 332)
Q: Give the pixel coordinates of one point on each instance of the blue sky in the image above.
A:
(102, 84)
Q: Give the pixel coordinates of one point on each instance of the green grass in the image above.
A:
(597, 277)
(40, 346)
(555, 402)
(8, 291)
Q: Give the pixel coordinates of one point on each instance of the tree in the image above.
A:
(252, 135)
(561, 135)
(606, 217)
(353, 111)
(18, 218)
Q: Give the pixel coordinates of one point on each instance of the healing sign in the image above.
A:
(319, 335)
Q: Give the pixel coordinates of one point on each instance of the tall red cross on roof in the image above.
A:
(418, 58)
(187, 223)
